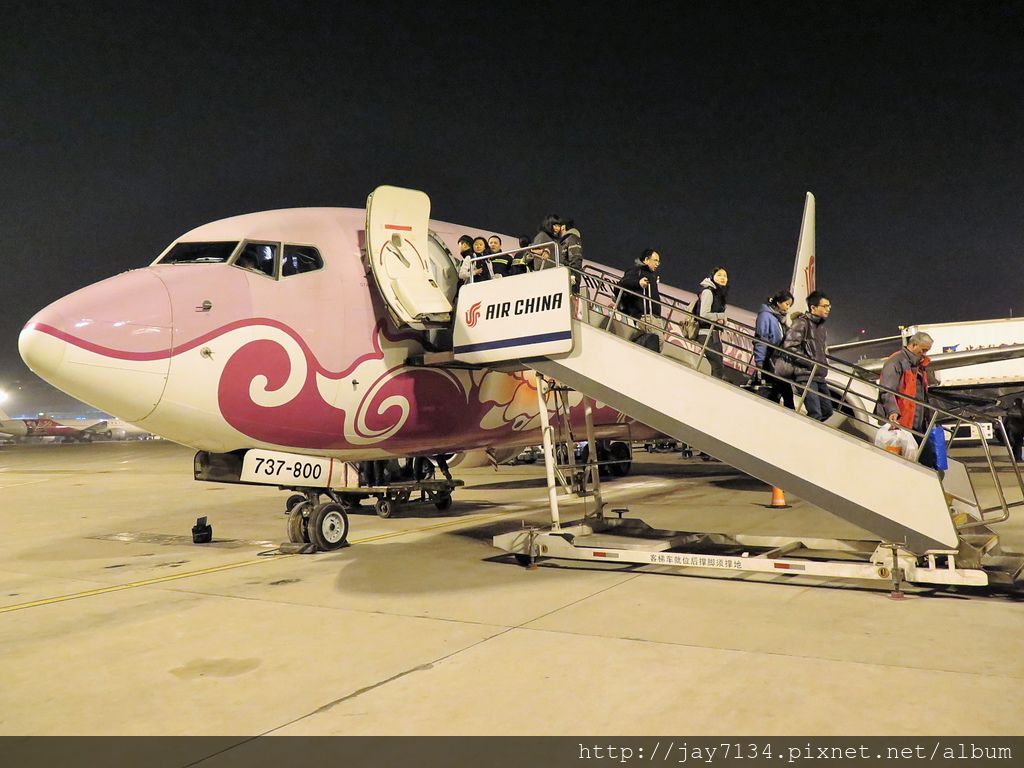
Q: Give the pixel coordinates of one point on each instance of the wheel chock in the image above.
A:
(292, 548)
(201, 532)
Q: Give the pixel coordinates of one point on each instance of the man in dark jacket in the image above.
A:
(500, 264)
(904, 372)
(641, 279)
(809, 339)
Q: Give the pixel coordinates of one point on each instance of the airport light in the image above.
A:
(3, 396)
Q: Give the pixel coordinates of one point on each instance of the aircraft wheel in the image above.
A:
(295, 498)
(619, 453)
(385, 507)
(443, 501)
(328, 526)
(298, 524)
(422, 469)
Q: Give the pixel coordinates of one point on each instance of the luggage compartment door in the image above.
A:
(397, 249)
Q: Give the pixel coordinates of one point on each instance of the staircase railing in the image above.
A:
(853, 391)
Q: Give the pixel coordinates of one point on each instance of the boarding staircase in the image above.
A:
(921, 512)
(823, 463)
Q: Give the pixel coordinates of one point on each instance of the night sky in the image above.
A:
(692, 128)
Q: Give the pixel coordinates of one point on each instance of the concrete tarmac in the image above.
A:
(113, 622)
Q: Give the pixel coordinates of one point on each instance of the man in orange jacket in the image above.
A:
(906, 372)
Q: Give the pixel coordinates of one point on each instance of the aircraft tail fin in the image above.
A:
(805, 266)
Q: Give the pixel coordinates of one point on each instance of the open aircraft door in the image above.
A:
(396, 247)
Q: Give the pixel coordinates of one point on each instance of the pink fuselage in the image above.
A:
(310, 363)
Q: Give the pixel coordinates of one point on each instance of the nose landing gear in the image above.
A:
(323, 525)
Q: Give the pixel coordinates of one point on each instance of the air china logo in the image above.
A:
(473, 314)
(809, 277)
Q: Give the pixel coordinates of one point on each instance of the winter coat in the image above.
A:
(467, 266)
(543, 236)
(768, 328)
(905, 372)
(570, 249)
(634, 305)
(500, 264)
(807, 337)
(710, 305)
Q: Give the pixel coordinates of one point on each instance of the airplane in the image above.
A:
(44, 426)
(119, 429)
(293, 330)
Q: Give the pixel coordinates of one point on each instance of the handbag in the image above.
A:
(690, 325)
(782, 366)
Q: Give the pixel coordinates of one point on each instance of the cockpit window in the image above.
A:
(259, 257)
(300, 258)
(199, 253)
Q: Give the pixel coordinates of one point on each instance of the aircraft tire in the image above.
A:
(328, 526)
(295, 498)
(619, 453)
(422, 469)
(298, 530)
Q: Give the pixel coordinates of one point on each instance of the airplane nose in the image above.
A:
(42, 353)
(108, 344)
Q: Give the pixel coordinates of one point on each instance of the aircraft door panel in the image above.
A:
(398, 249)
(442, 266)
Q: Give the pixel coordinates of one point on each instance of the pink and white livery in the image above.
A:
(268, 331)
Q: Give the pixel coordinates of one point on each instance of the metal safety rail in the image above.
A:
(852, 391)
(601, 286)
(545, 252)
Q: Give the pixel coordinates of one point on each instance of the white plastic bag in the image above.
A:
(896, 440)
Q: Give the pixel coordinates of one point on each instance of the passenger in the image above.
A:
(570, 246)
(769, 330)
(442, 464)
(500, 264)
(809, 338)
(521, 258)
(374, 472)
(1014, 425)
(711, 307)
(906, 372)
(482, 269)
(543, 257)
(465, 246)
(641, 279)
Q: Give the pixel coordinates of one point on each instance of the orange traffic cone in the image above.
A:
(778, 498)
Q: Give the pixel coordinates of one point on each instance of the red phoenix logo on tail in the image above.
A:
(809, 276)
(473, 314)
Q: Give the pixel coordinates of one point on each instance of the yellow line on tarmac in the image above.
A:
(228, 566)
(130, 585)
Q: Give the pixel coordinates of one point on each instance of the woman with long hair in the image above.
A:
(769, 329)
(711, 308)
